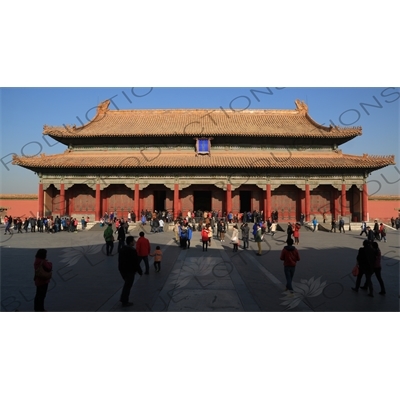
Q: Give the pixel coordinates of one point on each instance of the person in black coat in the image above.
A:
(128, 266)
(121, 237)
(366, 263)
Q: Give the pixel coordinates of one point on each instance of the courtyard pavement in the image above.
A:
(85, 279)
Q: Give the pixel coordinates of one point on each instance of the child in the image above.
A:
(157, 258)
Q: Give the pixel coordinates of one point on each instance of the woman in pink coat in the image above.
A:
(41, 284)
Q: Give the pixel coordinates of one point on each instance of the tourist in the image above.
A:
(121, 237)
(301, 219)
(210, 233)
(221, 227)
(392, 221)
(376, 230)
(26, 225)
(382, 232)
(254, 230)
(289, 256)
(176, 231)
(273, 228)
(315, 224)
(109, 238)
(204, 238)
(40, 225)
(161, 225)
(269, 224)
(128, 266)
(296, 233)
(258, 239)
(289, 231)
(143, 220)
(189, 235)
(366, 262)
(324, 217)
(43, 269)
(83, 222)
(370, 234)
(341, 225)
(333, 225)
(183, 235)
(377, 269)
(19, 225)
(33, 224)
(157, 258)
(245, 235)
(235, 238)
(143, 250)
(7, 222)
(364, 228)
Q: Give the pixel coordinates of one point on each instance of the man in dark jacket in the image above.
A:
(289, 256)
(121, 236)
(366, 262)
(128, 266)
(245, 235)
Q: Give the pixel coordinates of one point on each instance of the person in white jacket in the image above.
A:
(273, 228)
(235, 238)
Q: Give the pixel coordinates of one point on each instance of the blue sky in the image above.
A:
(24, 111)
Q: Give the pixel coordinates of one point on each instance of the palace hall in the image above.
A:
(204, 159)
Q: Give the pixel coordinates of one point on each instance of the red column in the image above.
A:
(176, 200)
(41, 200)
(98, 201)
(62, 199)
(136, 196)
(365, 202)
(228, 198)
(307, 202)
(268, 200)
(343, 205)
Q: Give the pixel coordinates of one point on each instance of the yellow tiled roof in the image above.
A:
(198, 122)
(187, 159)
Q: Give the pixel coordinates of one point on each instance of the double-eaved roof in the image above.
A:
(148, 125)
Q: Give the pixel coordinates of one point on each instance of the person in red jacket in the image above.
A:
(40, 283)
(143, 250)
(289, 256)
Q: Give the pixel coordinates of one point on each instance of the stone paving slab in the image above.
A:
(85, 279)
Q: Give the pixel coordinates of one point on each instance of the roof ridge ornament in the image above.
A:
(102, 108)
(301, 106)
